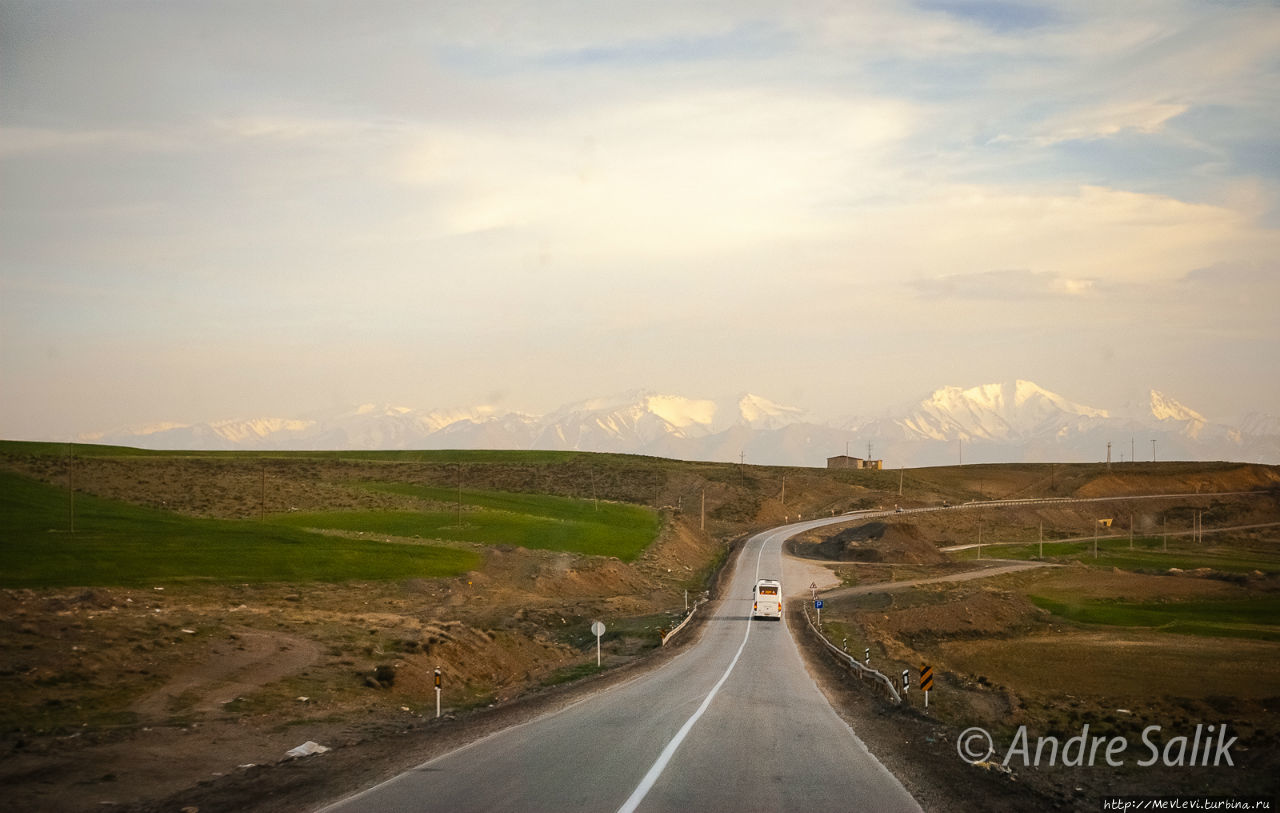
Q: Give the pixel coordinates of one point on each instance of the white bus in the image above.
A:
(767, 599)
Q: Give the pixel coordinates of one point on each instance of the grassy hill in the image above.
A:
(115, 543)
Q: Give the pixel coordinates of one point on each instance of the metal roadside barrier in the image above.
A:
(845, 657)
(670, 633)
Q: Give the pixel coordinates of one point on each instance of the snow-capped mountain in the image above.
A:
(1007, 422)
(995, 412)
(650, 423)
(1164, 408)
(1021, 421)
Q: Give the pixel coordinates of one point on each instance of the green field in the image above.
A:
(527, 520)
(117, 544)
(1255, 617)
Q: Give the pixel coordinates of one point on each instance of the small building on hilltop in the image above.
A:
(844, 461)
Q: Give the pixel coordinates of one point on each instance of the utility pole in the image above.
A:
(459, 494)
(1132, 457)
(1108, 455)
(784, 489)
(1153, 450)
(702, 520)
(262, 504)
(900, 470)
(960, 450)
(71, 483)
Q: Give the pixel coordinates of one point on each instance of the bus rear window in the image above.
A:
(768, 591)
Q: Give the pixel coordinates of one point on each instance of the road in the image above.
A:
(734, 723)
(998, 567)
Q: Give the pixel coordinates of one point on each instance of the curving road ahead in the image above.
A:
(734, 723)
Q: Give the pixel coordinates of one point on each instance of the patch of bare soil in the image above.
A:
(246, 662)
(898, 542)
(1181, 480)
(969, 613)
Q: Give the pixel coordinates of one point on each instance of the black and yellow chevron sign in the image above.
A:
(926, 678)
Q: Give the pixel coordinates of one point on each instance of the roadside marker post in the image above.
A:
(926, 682)
(906, 681)
(866, 656)
(437, 678)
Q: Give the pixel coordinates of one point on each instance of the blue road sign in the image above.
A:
(817, 604)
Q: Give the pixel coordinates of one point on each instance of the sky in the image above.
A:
(245, 209)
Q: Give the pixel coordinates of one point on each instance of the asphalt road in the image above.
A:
(733, 724)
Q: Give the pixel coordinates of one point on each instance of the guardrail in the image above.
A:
(1020, 502)
(666, 636)
(862, 670)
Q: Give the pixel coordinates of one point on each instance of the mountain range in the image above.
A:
(1016, 421)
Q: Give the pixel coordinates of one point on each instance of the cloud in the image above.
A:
(1008, 286)
(998, 16)
(19, 141)
(1091, 233)
(1103, 121)
(1246, 290)
(687, 173)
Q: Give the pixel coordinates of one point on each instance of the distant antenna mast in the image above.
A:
(71, 483)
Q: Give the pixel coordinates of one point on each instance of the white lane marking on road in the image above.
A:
(650, 778)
